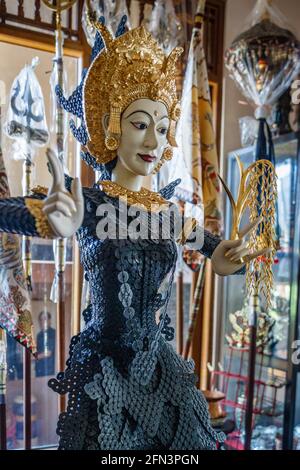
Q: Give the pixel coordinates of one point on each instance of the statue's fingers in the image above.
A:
(56, 170)
(262, 252)
(235, 251)
(57, 207)
(237, 256)
(250, 227)
(63, 197)
(76, 191)
(231, 244)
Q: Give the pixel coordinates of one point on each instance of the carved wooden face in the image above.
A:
(144, 127)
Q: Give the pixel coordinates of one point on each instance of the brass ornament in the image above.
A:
(130, 67)
(58, 7)
(167, 154)
(188, 228)
(240, 335)
(257, 192)
(143, 199)
(40, 190)
(158, 167)
(111, 143)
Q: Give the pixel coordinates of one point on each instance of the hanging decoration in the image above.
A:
(26, 124)
(164, 25)
(195, 160)
(263, 61)
(257, 192)
(15, 306)
(112, 12)
(26, 119)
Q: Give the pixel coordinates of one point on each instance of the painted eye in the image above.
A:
(140, 125)
(163, 130)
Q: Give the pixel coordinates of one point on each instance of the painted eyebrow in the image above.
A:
(145, 112)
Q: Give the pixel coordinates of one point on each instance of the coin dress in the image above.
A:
(127, 387)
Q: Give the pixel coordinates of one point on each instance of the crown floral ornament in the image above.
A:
(131, 67)
(123, 69)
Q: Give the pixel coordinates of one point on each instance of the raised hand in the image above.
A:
(231, 255)
(64, 210)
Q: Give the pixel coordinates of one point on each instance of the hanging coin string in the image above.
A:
(265, 151)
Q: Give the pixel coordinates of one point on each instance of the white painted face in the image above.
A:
(144, 126)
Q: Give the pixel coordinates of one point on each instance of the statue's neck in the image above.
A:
(124, 177)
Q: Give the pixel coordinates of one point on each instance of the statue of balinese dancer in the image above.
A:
(127, 388)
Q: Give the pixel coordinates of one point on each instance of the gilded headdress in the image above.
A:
(124, 69)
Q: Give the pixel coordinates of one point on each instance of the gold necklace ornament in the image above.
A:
(143, 199)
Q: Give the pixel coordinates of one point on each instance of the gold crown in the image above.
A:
(131, 67)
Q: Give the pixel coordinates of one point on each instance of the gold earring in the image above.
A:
(158, 167)
(167, 154)
(111, 143)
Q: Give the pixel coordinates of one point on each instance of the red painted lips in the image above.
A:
(147, 158)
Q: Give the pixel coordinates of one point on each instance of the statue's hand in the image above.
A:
(231, 255)
(64, 210)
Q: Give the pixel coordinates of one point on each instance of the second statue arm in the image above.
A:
(227, 256)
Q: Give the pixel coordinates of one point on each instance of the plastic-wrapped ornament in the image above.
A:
(264, 60)
(111, 10)
(164, 25)
(26, 118)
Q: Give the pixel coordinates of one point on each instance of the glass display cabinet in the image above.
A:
(277, 388)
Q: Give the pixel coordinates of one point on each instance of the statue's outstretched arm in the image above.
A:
(24, 216)
(227, 256)
(60, 214)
